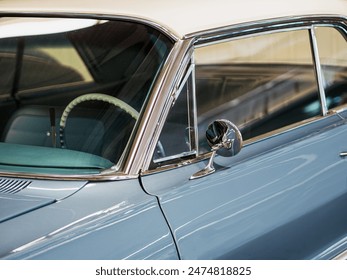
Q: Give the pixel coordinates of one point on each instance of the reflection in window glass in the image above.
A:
(261, 83)
(105, 68)
(332, 48)
(69, 57)
(49, 61)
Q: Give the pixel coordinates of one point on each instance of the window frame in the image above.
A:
(342, 30)
(189, 76)
(238, 32)
(114, 172)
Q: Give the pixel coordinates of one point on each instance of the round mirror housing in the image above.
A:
(224, 137)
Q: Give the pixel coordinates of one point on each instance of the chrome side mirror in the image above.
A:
(225, 139)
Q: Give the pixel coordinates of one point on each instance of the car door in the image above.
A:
(284, 196)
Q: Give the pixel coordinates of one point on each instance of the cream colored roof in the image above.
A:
(185, 16)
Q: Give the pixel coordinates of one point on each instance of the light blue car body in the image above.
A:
(262, 205)
(283, 196)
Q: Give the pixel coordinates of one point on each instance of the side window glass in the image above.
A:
(332, 47)
(177, 138)
(260, 83)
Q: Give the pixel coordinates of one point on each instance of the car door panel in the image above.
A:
(286, 202)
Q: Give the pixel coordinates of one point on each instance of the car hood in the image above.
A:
(14, 205)
(18, 197)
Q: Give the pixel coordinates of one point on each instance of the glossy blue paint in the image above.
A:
(21, 196)
(275, 200)
(114, 220)
(15, 205)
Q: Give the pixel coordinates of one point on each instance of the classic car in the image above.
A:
(173, 129)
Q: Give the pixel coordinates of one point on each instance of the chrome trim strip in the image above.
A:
(252, 27)
(195, 108)
(175, 95)
(318, 70)
(251, 35)
(158, 107)
(177, 165)
(116, 176)
(182, 83)
(173, 157)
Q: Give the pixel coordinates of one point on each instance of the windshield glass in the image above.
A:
(72, 90)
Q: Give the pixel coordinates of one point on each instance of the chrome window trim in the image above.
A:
(261, 26)
(160, 102)
(318, 70)
(171, 166)
(199, 44)
(111, 174)
(242, 31)
(174, 157)
(114, 176)
(190, 71)
(182, 83)
(318, 66)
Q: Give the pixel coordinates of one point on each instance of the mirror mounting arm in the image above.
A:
(209, 168)
(225, 139)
